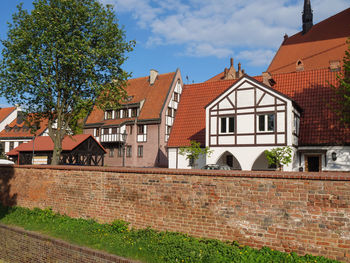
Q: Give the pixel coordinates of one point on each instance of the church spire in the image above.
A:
(307, 16)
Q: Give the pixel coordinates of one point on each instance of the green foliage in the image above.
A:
(279, 156)
(61, 59)
(146, 245)
(343, 90)
(194, 151)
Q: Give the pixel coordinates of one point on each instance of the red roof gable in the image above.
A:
(45, 143)
(326, 41)
(309, 89)
(5, 112)
(140, 89)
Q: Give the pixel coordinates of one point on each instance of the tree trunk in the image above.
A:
(56, 150)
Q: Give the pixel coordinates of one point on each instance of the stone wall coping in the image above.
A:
(325, 176)
(61, 243)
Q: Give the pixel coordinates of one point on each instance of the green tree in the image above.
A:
(193, 152)
(62, 58)
(343, 90)
(279, 156)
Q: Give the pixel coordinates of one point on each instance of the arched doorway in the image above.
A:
(261, 164)
(227, 158)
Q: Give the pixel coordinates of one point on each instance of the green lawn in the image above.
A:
(145, 245)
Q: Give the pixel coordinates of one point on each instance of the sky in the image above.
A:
(200, 36)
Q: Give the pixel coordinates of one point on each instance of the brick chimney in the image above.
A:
(153, 76)
(231, 73)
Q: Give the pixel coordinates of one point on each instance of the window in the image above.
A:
(12, 145)
(120, 151)
(140, 129)
(111, 152)
(227, 125)
(176, 96)
(117, 114)
(170, 112)
(266, 122)
(296, 125)
(97, 132)
(140, 151)
(115, 130)
(128, 151)
(168, 130)
(134, 112)
(130, 129)
(109, 114)
(106, 131)
(125, 113)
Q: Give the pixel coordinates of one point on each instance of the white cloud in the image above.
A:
(258, 57)
(219, 27)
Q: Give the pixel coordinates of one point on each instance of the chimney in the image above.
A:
(231, 73)
(334, 65)
(307, 17)
(267, 79)
(153, 76)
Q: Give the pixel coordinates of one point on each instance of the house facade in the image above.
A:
(18, 131)
(247, 119)
(137, 133)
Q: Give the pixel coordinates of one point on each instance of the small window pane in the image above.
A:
(231, 124)
(261, 122)
(140, 151)
(271, 122)
(111, 152)
(223, 125)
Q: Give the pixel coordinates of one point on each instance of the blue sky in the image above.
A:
(200, 36)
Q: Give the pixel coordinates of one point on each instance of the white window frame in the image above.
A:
(266, 122)
(227, 130)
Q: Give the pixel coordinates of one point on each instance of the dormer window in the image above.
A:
(299, 65)
(134, 112)
(117, 114)
(109, 114)
(125, 113)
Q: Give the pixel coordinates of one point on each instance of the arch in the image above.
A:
(229, 159)
(261, 164)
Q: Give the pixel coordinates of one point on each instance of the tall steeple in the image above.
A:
(307, 16)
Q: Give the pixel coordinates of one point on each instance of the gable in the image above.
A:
(245, 94)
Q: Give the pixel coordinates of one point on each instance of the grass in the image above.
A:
(146, 245)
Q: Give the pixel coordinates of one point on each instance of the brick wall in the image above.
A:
(18, 245)
(301, 212)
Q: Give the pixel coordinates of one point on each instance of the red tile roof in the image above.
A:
(309, 89)
(140, 89)
(21, 131)
(45, 143)
(5, 112)
(324, 42)
(312, 90)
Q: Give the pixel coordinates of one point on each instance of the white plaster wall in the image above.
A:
(342, 163)
(246, 156)
(182, 162)
(172, 158)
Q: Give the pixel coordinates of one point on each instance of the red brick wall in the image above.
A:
(301, 212)
(18, 245)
